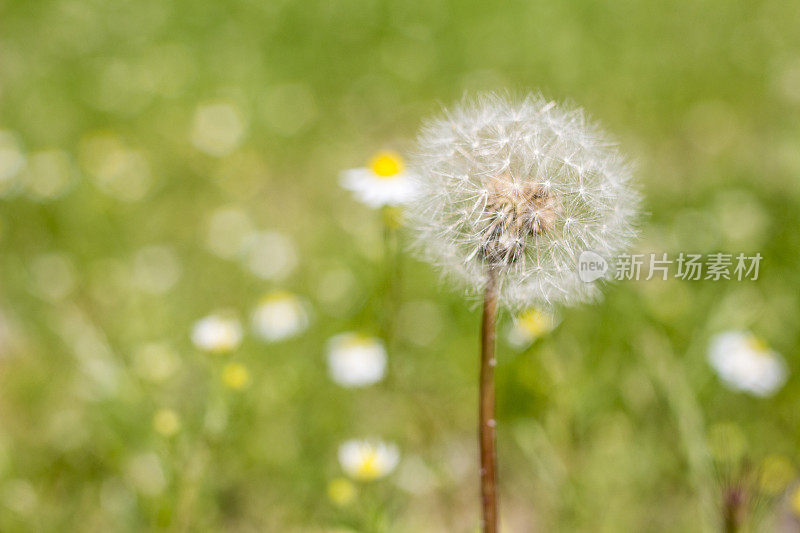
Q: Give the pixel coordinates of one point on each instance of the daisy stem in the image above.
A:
(732, 510)
(487, 422)
(392, 281)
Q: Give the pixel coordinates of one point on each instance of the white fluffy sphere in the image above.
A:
(523, 187)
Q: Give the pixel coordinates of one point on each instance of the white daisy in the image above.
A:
(745, 363)
(280, 315)
(217, 333)
(356, 360)
(529, 326)
(366, 460)
(383, 183)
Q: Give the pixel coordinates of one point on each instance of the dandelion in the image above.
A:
(166, 422)
(235, 376)
(280, 315)
(356, 360)
(531, 325)
(366, 460)
(217, 333)
(509, 193)
(523, 189)
(745, 363)
(383, 183)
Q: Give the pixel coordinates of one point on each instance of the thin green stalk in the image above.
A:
(669, 374)
(391, 246)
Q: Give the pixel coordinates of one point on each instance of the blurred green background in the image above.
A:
(144, 143)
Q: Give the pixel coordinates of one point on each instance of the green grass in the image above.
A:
(603, 424)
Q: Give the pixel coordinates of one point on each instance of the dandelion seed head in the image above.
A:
(521, 186)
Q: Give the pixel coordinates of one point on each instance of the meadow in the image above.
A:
(179, 260)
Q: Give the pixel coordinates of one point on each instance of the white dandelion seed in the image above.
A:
(521, 188)
(366, 460)
(383, 183)
(745, 363)
(356, 360)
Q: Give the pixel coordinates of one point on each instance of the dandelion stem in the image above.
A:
(487, 423)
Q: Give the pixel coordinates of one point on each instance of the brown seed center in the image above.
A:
(515, 210)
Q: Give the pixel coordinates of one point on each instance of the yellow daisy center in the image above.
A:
(358, 340)
(387, 164)
(277, 296)
(758, 345)
(369, 467)
(227, 341)
(535, 323)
